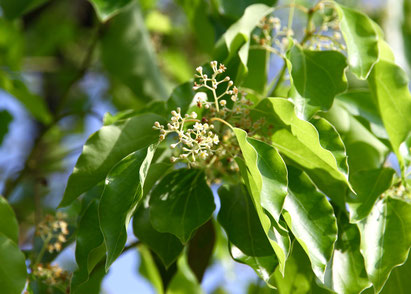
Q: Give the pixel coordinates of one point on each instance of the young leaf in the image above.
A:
(311, 219)
(89, 246)
(345, 272)
(105, 9)
(167, 246)
(13, 272)
(180, 203)
(318, 76)
(8, 222)
(385, 238)
(105, 148)
(122, 192)
(369, 184)
(361, 39)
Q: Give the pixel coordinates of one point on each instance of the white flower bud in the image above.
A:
(173, 159)
(194, 114)
(199, 70)
(172, 146)
(174, 113)
(223, 103)
(157, 124)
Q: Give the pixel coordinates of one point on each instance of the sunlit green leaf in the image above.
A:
(105, 148)
(180, 203)
(318, 76)
(361, 40)
(167, 246)
(184, 281)
(369, 184)
(399, 281)
(385, 238)
(311, 219)
(122, 192)
(13, 272)
(106, 9)
(345, 272)
(149, 270)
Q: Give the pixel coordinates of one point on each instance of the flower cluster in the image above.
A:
(53, 230)
(398, 191)
(52, 275)
(197, 141)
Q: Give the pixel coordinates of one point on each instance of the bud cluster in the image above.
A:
(53, 230)
(52, 275)
(398, 191)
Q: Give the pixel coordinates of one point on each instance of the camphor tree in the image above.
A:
(299, 154)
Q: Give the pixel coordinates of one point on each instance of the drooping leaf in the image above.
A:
(13, 272)
(8, 222)
(105, 148)
(122, 192)
(298, 140)
(265, 176)
(16, 8)
(106, 9)
(264, 266)
(200, 249)
(5, 120)
(369, 184)
(90, 247)
(389, 86)
(149, 270)
(318, 76)
(361, 39)
(128, 55)
(346, 272)
(241, 222)
(385, 238)
(311, 219)
(33, 103)
(180, 203)
(184, 281)
(167, 246)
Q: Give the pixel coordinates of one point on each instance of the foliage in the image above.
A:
(301, 156)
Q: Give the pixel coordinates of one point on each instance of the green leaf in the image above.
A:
(298, 277)
(318, 76)
(237, 38)
(346, 272)
(361, 39)
(369, 184)
(236, 9)
(5, 120)
(311, 219)
(90, 247)
(16, 8)
(184, 281)
(105, 148)
(148, 269)
(8, 222)
(264, 266)
(105, 9)
(167, 246)
(182, 96)
(33, 103)
(399, 281)
(266, 178)
(129, 57)
(299, 141)
(13, 272)
(200, 249)
(258, 66)
(93, 285)
(180, 203)
(389, 86)
(122, 192)
(241, 222)
(385, 238)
